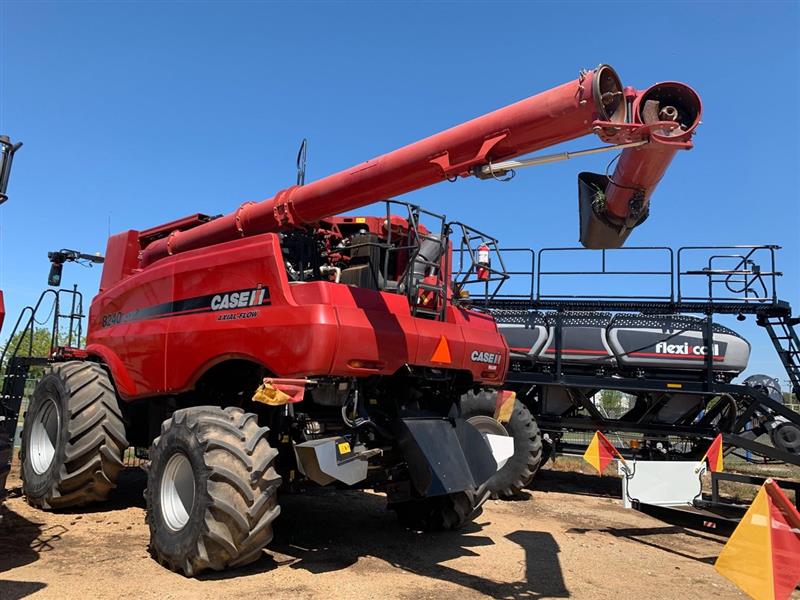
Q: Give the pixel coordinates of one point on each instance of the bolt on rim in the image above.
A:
(44, 436)
(177, 491)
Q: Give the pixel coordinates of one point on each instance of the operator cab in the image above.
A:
(409, 255)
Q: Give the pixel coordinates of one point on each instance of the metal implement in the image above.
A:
(502, 168)
(574, 329)
(7, 151)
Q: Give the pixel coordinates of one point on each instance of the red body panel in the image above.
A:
(158, 331)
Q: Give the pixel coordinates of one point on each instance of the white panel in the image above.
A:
(502, 448)
(662, 483)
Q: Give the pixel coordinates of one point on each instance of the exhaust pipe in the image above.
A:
(611, 206)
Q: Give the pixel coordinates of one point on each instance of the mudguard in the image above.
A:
(444, 455)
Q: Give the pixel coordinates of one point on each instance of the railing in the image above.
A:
(55, 299)
(468, 271)
(657, 274)
(739, 273)
(664, 275)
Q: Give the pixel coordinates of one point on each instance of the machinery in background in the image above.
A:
(280, 344)
(7, 151)
(630, 330)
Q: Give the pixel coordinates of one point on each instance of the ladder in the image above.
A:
(18, 356)
(781, 330)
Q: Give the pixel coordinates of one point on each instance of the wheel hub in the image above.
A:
(44, 436)
(492, 432)
(786, 437)
(486, 425)
(177, 491)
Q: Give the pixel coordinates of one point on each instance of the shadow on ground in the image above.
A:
(657, 537)
(324, 531)
(22, 541)
(129, 492)
(25, 540)
(571, 482)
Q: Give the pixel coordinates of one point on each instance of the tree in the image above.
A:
(42, 340)
(40, 348)
(611, 401)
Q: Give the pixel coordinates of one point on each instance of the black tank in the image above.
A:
(624, 341)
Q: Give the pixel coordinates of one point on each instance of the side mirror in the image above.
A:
(54, 279)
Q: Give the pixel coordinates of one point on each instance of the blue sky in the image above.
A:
(133, 114)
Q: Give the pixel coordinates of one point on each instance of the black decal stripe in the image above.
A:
(186, 306)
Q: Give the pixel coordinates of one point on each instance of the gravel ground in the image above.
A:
(549, 544)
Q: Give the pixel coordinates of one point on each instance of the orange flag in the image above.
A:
(762, 557)
(601, 452)
(714, 454)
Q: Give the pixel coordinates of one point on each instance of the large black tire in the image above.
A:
(73, 438)
(441, 513)
(522, 466)
(226, 467)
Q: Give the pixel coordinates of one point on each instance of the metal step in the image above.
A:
(786, 343)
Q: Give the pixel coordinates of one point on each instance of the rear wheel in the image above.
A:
(479, 409)
(73, 438)
(441, 513)
(211, 490)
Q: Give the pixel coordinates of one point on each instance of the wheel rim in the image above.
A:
(787, 438)
(44, 436)
(177, 491)
(486, 425)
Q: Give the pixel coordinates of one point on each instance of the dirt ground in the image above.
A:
(551, 544)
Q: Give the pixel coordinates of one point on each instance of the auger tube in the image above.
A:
(594, 102)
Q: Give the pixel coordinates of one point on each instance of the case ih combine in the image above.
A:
(279, 344)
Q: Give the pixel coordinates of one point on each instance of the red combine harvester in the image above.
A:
(281, 345)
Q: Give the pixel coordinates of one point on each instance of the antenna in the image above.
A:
(301, 162)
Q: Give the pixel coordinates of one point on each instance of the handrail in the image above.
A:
(74, 317)
(737, 274)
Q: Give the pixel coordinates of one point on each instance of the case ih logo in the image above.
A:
(490, 358)
(191, 306)
(242, 299)
(685, 349)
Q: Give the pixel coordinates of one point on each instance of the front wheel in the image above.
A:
(211, 490)
(479, 410)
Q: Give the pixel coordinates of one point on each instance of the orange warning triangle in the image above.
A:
(714, 454)
(442, 352)
(762, 557)
(601, 452)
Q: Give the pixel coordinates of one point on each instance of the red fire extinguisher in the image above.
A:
(483, 262)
